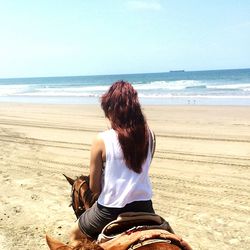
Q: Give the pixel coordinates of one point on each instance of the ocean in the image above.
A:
(213, 87)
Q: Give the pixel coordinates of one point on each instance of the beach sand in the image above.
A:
(200, 172)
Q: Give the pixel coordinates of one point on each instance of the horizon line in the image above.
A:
(119, 74)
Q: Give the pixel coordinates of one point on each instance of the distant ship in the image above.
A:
(175, 71)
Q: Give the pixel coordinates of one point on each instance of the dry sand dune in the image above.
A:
(200, 172)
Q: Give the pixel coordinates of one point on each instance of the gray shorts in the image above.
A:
(94, 219)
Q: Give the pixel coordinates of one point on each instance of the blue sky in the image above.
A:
(90, 37)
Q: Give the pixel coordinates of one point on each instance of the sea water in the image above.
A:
(214, 87)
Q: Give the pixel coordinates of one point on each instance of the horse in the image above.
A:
(81, 195)
(132, 233)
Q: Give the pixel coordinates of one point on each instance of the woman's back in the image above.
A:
(120, 184)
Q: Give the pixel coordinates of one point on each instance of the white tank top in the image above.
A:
(121, 185)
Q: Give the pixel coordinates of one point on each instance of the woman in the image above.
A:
(119, 162)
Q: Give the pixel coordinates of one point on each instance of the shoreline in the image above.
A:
(200, 172)
(155, 101)
(143, 106)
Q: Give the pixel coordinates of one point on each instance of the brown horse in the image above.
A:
(142, 238)
(81, 195)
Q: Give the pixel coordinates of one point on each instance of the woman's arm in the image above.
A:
(97, 157)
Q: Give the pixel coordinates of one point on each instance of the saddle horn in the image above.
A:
(70, 181)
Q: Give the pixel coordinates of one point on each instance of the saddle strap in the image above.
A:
(148, 242)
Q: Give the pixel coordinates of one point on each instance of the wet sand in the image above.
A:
(200, 172)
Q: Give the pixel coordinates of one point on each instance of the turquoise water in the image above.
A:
(217, 87)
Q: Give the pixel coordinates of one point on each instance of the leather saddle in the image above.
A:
(132, 230)
(133, 221)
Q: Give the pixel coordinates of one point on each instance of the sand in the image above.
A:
(200, 173)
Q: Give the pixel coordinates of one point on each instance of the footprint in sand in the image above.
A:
(6, 178)
(34, 197)
(17, 209)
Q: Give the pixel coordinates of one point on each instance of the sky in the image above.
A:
(99, 37)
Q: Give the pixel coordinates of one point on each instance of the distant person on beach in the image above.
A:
(119, 162)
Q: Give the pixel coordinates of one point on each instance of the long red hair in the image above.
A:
(121, 106)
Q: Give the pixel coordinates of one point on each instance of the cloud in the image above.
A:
(144, 5)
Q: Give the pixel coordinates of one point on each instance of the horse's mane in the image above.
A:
(85, 244)
(89, 197)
